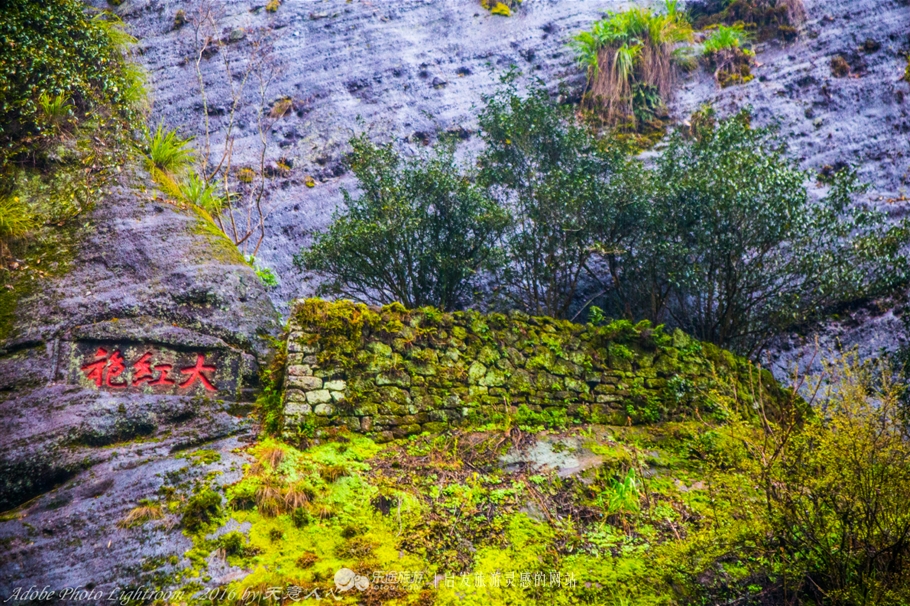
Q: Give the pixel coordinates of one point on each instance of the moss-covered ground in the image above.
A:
(661, 514)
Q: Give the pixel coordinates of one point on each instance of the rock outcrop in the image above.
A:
(145, 342)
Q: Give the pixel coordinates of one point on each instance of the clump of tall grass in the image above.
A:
(724, 52)
(55, 109)
(196, 191)
(636, 47)
(140, 515)
(167, 152)
(724, 38)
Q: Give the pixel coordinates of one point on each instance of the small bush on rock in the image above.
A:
(200, 509)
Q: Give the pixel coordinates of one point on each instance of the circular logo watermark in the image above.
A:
(346, 579)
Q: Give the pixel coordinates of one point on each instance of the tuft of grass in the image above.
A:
(839, 67)
(140, 515)
(298, 495)
(246, 174)
(330, 473)
(165, 151)
(765, 18)
(502, 8)
(272, 6)
(724, 38)
(633, 47)
(272, 456)
(723, 51)
(55, 109)
(281, 107)
(269, 500)
(196, 191)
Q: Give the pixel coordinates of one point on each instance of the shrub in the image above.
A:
(837, 492)
(736, 248)
(16, 220)
(764, 18)
(724, 38)
(419, 232)
(732, 64)
(572, 198)
(200, 509)
(630, 50)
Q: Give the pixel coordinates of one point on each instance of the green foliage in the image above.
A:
(731, 193)
(166, 152)
(201, 509)
(837, 492)
(764, 18)
(196, 191)
(569, 195)
(265, 274)
(724, 37)
(16, 220)
(270, 403)
(58, 60)
(628, 52)
(55, 110)
(549, 418)
(419, 232)
(623, 496)
(719, 237)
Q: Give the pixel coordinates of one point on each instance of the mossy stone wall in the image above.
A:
(392, 372)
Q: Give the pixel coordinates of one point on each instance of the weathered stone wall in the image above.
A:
(393, 372)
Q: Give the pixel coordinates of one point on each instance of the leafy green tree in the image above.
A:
(737, 250)
(574, 199)
(419, 232)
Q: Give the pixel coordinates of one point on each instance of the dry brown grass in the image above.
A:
(269, 499)
(272, 456)
(141, 514)
(282, 107)
(331, 473)
(298, 495)
(628, 49)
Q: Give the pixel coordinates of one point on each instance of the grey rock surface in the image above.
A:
(77, 455)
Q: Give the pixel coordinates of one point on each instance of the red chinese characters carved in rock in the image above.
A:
(106, 370)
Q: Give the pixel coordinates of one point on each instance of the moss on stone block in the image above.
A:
(397, 367)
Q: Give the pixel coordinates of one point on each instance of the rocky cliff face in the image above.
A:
(99, 389)
(410, 70)
(84, 441)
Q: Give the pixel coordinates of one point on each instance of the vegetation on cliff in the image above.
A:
(718, 235)
(68, 98)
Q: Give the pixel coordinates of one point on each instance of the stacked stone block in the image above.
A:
(391, 372)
